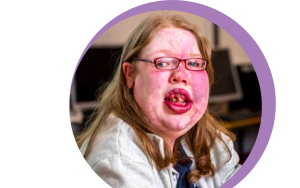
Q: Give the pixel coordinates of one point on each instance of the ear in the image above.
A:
(129, 74)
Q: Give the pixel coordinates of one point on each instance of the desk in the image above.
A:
(76, 117)
(242, 123)
(246, 131)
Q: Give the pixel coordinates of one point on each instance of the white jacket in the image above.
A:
(119, 160)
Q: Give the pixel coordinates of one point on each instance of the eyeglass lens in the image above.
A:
(172, 63)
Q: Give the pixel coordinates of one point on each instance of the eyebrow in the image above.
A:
(195, 55)
(168, 52)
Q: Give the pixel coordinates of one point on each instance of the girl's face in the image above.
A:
(154, 89)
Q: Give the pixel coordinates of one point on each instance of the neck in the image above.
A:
(170, 143)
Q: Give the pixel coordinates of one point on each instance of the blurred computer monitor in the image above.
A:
(96, 68)
(226, 87)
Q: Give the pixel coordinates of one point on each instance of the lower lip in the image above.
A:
(178, 108)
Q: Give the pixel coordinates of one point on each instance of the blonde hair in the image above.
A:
(118, 99)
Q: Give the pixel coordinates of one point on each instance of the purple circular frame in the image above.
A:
(250, 47)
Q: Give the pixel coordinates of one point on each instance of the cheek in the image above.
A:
(200, 89)
(153, 85)
(157, 81)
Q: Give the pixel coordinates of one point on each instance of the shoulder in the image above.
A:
(225, 158)
(223, 151)
(118, 141)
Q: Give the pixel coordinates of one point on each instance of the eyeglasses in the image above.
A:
(169, 63)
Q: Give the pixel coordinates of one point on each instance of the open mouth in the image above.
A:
(178, 100)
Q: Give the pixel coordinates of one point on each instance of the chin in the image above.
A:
(179, 125)
(180, 128)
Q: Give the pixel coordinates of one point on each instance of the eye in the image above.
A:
(196, 64)
(193, 63)
(162, 64)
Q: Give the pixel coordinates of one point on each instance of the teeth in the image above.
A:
(177, 99)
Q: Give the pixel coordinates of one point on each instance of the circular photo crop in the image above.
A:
(172, 97)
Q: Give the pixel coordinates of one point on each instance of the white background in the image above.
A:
(40, 45)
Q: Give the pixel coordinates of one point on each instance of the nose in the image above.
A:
(180, 75)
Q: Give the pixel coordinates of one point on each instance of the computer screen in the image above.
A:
(96, 67)
(226, 85)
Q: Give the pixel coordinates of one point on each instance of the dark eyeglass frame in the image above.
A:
(179, 60)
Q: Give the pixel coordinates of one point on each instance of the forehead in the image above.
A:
(173, 42)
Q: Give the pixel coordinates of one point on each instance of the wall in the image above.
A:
(118, 34)
(238, 55)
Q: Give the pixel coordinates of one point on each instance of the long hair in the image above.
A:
(118, 99)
